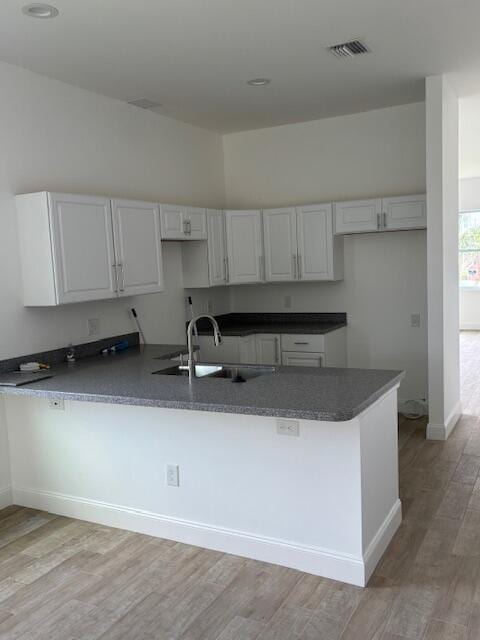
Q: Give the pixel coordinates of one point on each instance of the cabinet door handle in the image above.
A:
(260, 268)
(122, 271)
(294, 260)
(115, 277)
(185, 227)
(384, 220)
(277, 350)
(299, 261)
(304, 343)
(379, 221)
(225, 260)
(189, 227)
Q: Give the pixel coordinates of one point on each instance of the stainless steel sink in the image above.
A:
(235, 373)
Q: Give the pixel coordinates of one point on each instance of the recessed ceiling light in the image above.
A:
(258, 82)
(38, 10)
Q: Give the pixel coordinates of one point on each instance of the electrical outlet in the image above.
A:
(93, 326)
(173, 475)
(287, 302)
(288, 428)
(209, 307)
(415, 320)
(57, 404)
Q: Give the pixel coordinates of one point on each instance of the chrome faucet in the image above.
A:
(217, 338)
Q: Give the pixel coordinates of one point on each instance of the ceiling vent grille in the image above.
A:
(348, 49)
(144, 103)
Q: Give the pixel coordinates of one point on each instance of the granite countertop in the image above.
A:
(126, 378)
(245, 324)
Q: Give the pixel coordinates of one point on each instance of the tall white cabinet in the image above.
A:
(244, 246)
(73, 249)
(205, 263)
(300, 244)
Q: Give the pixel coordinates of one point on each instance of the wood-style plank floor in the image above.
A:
(70, 580)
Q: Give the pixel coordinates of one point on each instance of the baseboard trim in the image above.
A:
(470, 326)
(381, 539)
(442, 431)
(315, 560)
(5, 497)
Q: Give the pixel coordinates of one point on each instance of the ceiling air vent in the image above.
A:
(348, 49)
(144, 103)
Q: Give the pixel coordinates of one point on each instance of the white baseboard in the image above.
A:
(381, 539)
(5, 497)
(442, 431)
(315, 560)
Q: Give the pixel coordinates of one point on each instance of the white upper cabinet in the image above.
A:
(320, 255)
(244, 246)
(205, 263)
(66, 248)
(387, 214)
(358, 216)
(136, 230)
(195, 220)
(74, 250)
(280, 236)
(183, 223)
(404, 212)
(217, 249)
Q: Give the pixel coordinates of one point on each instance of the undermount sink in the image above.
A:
(235, 373)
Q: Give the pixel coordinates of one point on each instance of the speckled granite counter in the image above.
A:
(126, 378)
(244, 324)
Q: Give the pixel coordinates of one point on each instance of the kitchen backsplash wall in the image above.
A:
(61, 138)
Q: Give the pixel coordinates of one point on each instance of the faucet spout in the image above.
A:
(217, 339)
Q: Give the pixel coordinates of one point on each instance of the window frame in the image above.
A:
(466, 287)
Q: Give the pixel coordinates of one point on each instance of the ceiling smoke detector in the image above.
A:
(144, 103)
(38, 10)
(348, 49)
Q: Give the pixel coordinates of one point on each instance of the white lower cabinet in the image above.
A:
(268, 348)
(78, 248)
(232, 349)
(248, 349)
(327, 350)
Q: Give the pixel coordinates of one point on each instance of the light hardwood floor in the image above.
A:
(70, 580)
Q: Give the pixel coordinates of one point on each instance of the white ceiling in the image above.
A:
(194, 56)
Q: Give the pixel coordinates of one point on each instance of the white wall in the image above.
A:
(442, 238)
(369, 154)
(469, 197)
(58, 137)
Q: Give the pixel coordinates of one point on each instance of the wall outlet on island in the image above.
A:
(93, 326)
(173, 477)
(288, 427)
(57, 404)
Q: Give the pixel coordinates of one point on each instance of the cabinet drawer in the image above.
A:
(307, 342)
(302, 359)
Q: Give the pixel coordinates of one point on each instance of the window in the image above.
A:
(469, 249)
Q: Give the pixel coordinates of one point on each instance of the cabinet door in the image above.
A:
(268, 348)
(82, 245)
(173, 218)
(244, 246)
(217, 254)
(358, 216)
(405, 212)
(302, 359)
(280, 236)
(228, 351)
(248, 350)
(315, 242)
(195, 223)
(138, 250)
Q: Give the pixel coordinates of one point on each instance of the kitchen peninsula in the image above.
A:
(297, 466)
